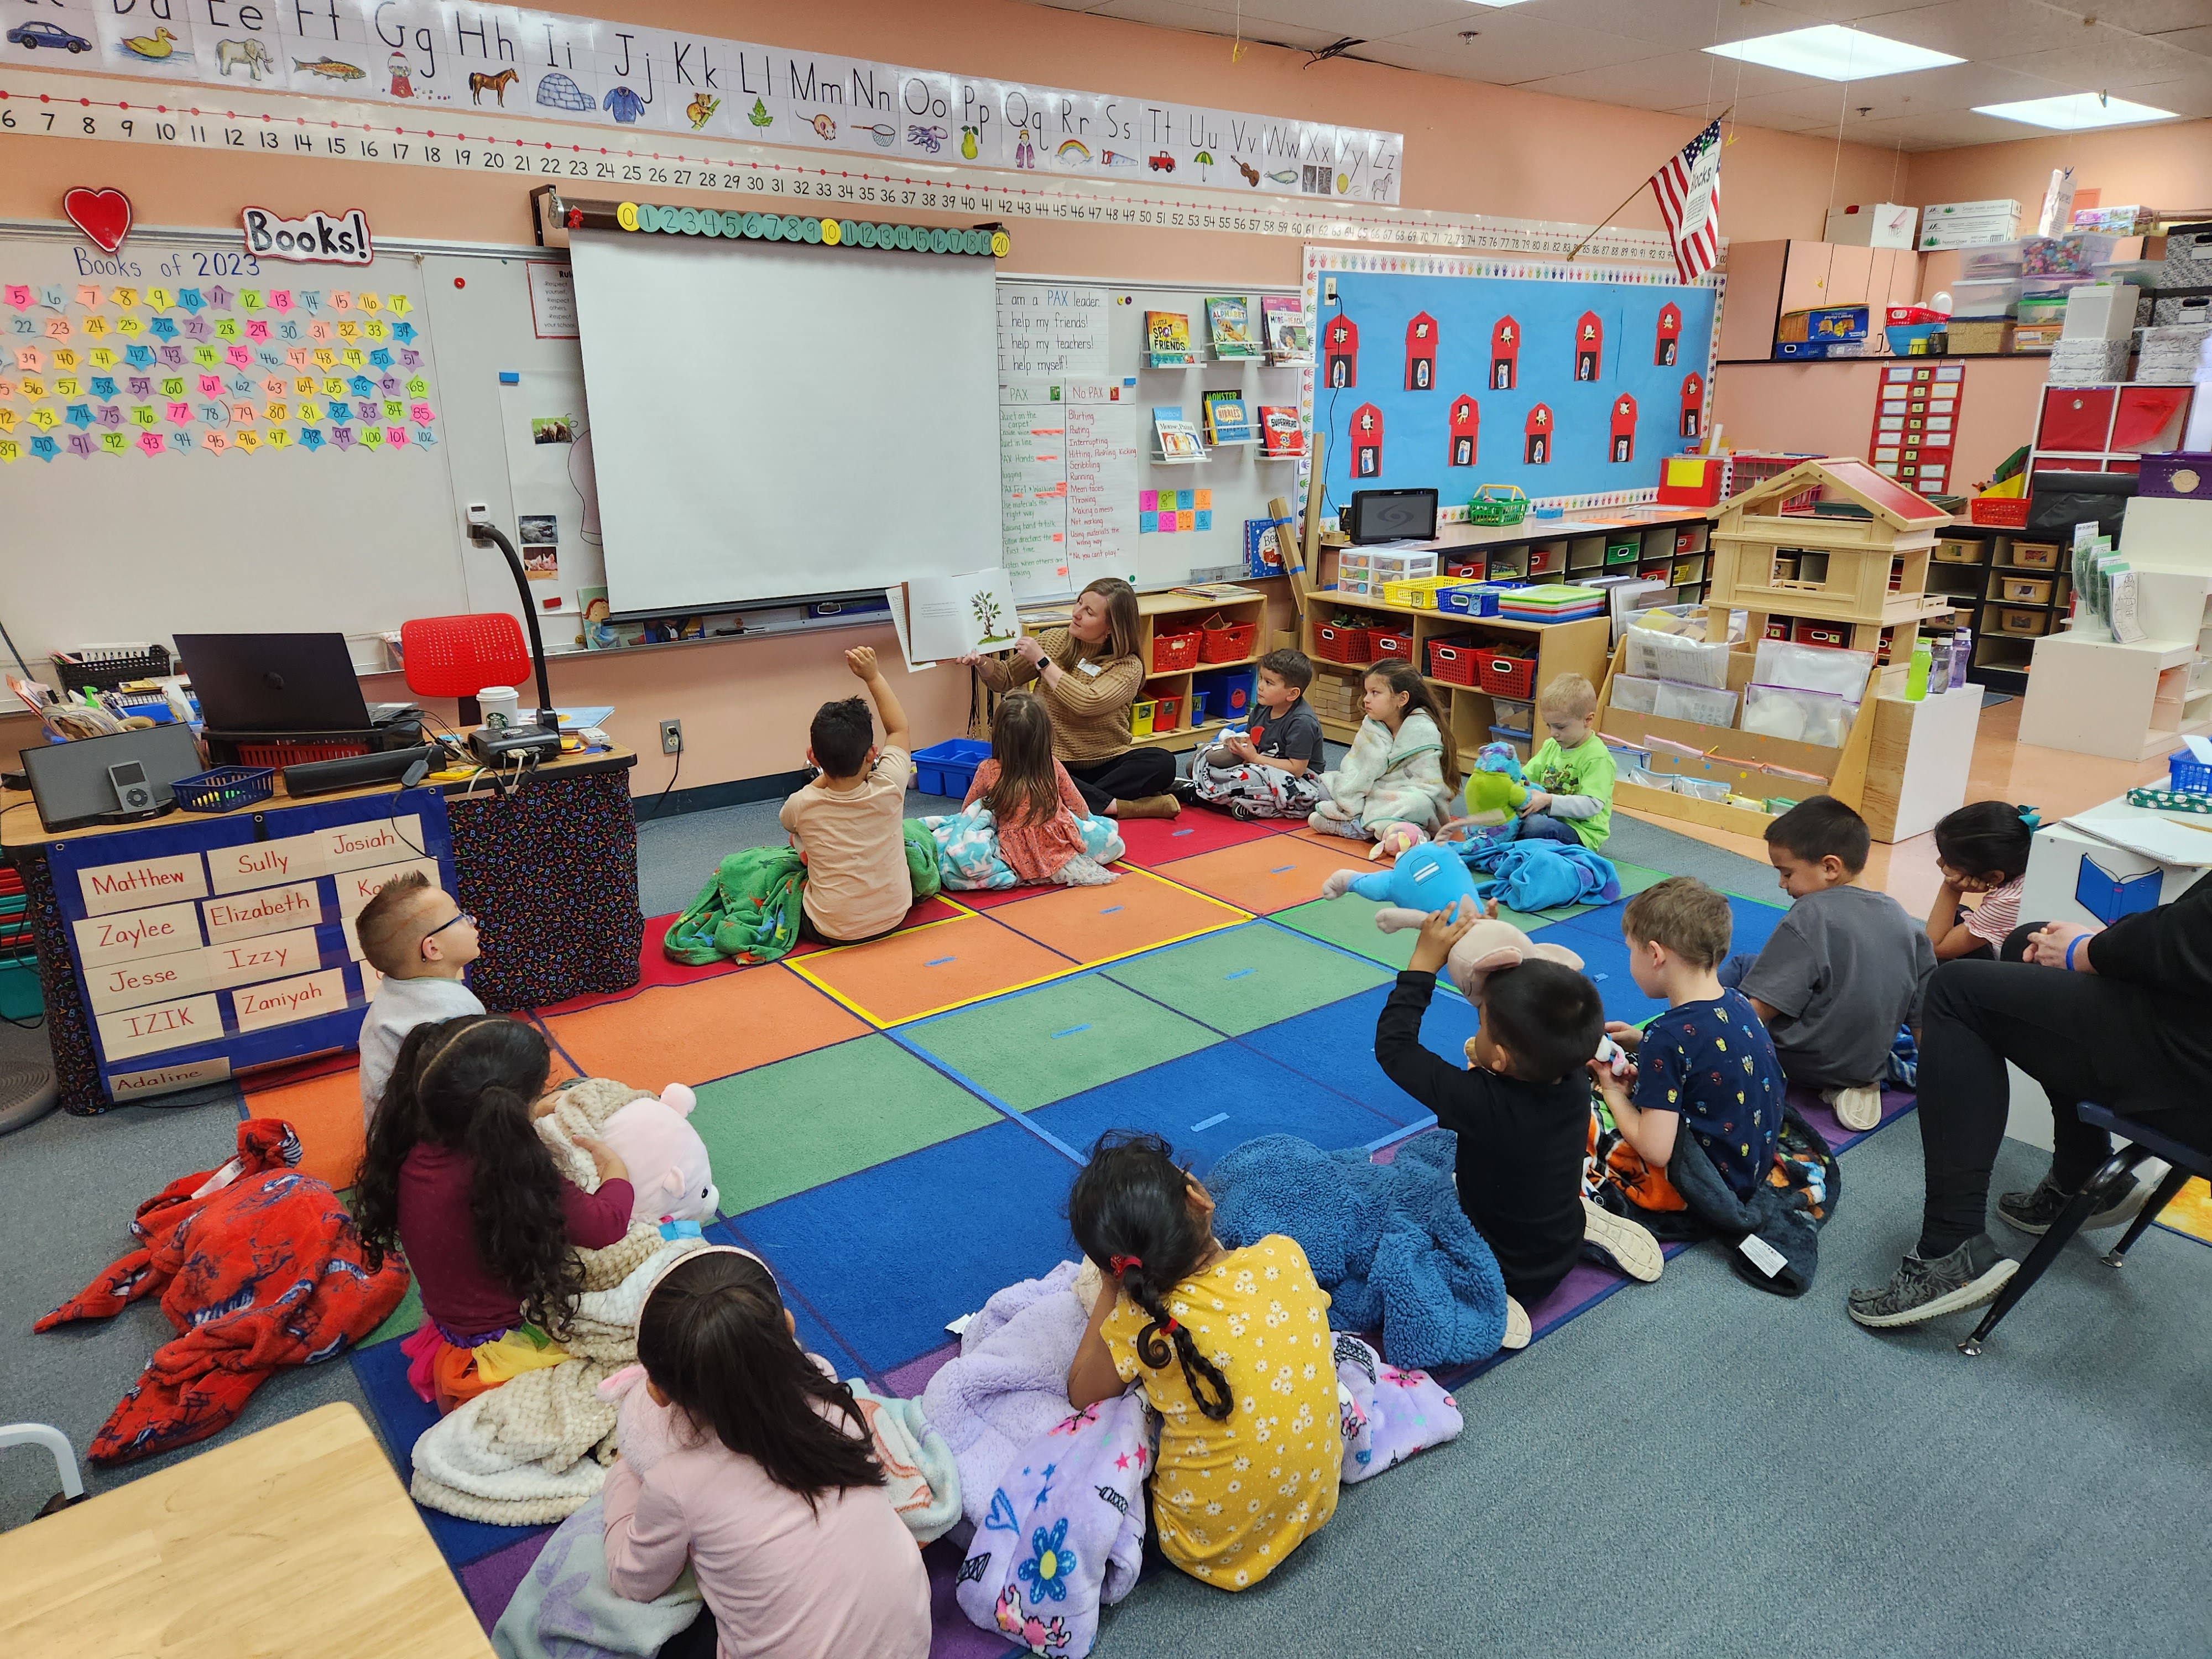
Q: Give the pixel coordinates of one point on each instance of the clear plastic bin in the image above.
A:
(1712, 789)
(1653, 779)
(1827, 668)
(1671, 657)
(1700, 704)
(1632, 694)
(1778, 711)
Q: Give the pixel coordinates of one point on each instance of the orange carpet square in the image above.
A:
(1266, 876)
(931, 968)
(1096, 924)
(325, 1110)
(696, 1033)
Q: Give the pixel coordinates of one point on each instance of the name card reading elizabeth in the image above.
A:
(269, 911)
(352, 846)
(265, 863)
(283, 1001)
(160, 1025)
(167, 1079)
(269, 956)
(134, 984)
(135, 934)
(357, 887)
(111, 887)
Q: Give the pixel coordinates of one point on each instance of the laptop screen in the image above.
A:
(283, 683)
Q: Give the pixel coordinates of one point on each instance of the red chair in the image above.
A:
(458, 656)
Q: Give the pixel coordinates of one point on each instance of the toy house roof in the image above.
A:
(1854, 480)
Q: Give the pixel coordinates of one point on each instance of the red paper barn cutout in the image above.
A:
(1504, 355)
(1421, 353)
(1466, 431)
(1589, 347)
(1537, 436)
(1623, 427)
(1341, 352)
(1670, 334)
(1367, 442)
(1694, 403)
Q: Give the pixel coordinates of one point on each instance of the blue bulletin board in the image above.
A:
(206, 945)
(1439, 372)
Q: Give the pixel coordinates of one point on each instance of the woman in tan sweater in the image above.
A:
(1089, 673)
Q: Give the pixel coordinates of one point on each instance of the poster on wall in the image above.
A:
(1571, 383)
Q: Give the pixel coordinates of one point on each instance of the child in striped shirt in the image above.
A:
(1980, 849)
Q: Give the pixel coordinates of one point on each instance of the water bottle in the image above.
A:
(1916, 677)
(1962, 640)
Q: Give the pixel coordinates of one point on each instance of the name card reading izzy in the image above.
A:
(267, 910)
(136, 934)
(177, 1025)
(111, 887)
(266, 955)
(357, 887)
(281, 1001)
(167, 1079)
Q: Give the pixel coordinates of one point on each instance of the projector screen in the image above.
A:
(772, 421)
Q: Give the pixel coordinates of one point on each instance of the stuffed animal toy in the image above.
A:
(1393, 838)
(667, 1160)
(1425, 877)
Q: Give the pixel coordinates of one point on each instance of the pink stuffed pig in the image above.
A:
(666, 1159)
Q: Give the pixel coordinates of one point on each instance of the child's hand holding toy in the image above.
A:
(1440, 931)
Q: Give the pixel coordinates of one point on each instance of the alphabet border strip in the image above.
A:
(118, 112)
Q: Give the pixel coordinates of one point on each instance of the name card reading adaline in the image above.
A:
(111, 887)
(134, 934)
(166, 1079)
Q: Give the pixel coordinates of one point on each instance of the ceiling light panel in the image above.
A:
(2075, 112)
(1833, 52)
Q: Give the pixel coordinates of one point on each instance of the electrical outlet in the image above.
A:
(479, 513)
(672, 736)
(1329, 289)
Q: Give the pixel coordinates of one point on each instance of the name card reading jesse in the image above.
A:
(111, 887)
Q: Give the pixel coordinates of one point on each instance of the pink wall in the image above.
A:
(2168, 166)
(1469, 147)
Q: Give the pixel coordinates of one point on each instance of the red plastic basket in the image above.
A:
(1173, 653)
(1505, 676)
(1454, 660)
(1230, 642)
(2004, 512)
(1390, 647)
(1164, 715)
(1337, 644)
(1469, 569)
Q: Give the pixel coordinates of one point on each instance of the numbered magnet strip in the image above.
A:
(647, 218)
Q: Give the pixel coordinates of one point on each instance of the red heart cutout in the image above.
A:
(102, 214)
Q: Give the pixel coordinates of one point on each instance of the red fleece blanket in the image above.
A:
(256, 1266)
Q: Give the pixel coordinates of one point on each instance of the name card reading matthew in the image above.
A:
(111, 887)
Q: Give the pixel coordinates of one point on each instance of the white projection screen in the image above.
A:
(774, 421)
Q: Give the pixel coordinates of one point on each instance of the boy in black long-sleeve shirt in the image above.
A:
(1522, 1113)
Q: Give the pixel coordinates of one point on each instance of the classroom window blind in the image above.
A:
(771, 422)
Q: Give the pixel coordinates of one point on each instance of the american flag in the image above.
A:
(1689, 191)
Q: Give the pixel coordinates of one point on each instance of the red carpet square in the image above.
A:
(1198, 829)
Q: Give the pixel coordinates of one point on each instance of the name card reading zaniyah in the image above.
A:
(149, 1030)
(111, 887)
(130, 935)
(167, 1079)
(281, 1001)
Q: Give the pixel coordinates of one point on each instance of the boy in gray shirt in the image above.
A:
(1843, 971)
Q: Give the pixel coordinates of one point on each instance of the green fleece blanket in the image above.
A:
(749, 911)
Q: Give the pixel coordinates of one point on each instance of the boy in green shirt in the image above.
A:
(1570, 775)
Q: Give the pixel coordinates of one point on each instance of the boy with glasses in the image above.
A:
(420, 942)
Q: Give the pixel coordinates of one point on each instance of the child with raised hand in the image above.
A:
(849, 823)
(1231, 1347)
(456, 1178)
(1403, 767)
(771, 1491)
(1708, 1061)
(1570, 775)
(1272, 770)
(1035, 808)
(1980, 849)
(420, 943)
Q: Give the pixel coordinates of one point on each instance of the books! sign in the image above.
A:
(318, 239)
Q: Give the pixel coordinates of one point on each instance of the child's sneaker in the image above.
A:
(2117, 1201)
(1858, 1108)
(1923, 1290)
(1628, 1245)
(1518, 1330)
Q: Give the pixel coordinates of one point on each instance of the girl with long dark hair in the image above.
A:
(1035, 808)
(456, 1180)
(1231, 1347)
(770, 1489)
(1403, 765)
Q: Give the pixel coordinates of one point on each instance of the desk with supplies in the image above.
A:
(178, 952)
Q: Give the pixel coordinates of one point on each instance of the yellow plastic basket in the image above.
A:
(1140, 717)
(1420, 594)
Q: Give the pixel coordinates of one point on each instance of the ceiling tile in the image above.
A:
(1509, 48)
(1205, 20)
(2104, 60)
(1849, 11)
(1677, 23)
(2198, 40)
(2143, 17)
(1369, 19)
(1671, 80)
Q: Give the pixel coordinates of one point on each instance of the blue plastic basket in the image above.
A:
(948, 768)
(226, 789)
(2185, 776)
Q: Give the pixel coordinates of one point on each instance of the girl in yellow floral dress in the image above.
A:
(1231, 1347)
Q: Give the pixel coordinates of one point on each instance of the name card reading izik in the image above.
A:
(158, 1026)
(111, 887)
(357, 887)
(133, 935)
(281, 1001)
(167, 1079)
(267, 910)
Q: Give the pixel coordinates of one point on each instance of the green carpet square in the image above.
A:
(779, 1129)
(1040, 1046)
(1350, 921)
(1250, 977)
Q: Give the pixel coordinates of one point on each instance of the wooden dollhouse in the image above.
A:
(1831, 552)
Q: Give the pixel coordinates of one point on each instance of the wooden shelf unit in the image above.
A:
(1249, 606)
(1971, 564)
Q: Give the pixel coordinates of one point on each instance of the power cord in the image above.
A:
(661, 799)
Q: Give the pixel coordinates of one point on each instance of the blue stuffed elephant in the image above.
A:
(1427, 877)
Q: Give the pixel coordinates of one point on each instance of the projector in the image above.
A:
(501, 745)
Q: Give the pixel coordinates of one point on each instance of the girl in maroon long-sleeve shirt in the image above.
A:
(456, 1177)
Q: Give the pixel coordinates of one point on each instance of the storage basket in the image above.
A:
(1389, 645)
(1503, 673)
(1453, 660)
(2179, 473)
(1226, 642)
(2185, 776)
(1140, 716)
(1419, 593)
(948, 768)
(1497, 504)
(2035, 555)
(1461, 567)
(2000, 511)
(104, 673)
(1173, 653)
(1821, 632)
(2024, 590)
(1163, 717)
(226, 788)
(1335, 642)
(1469, 600)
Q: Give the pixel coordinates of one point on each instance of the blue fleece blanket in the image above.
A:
(1538, 875)
(1388, 1242)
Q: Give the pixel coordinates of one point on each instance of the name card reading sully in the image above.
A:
(111, 887)
(323, 852)
(319, 238)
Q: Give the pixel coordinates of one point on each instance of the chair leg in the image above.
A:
(2176, 1179)
(2048, 1247)
(57, 1444)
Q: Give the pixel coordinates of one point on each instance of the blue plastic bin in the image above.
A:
(948, 768)
(1472, 600)
(1227, 691)
(2185, 777)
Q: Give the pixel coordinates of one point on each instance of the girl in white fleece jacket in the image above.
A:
(1403, 767)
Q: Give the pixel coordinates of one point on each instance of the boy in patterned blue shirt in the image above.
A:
(1706, 1064)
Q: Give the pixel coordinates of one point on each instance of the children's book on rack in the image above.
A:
(1228, 421)
(1229, 320)
(1279, 430)
(1282, 319)
(1167, 339)
(1178, 438)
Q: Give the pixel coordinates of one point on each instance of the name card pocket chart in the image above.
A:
(222, 946)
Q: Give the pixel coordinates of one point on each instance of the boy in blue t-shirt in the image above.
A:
(1706, 1064)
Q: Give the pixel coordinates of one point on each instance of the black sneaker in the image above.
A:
(2118, 1201)
(1184, 790)
(1241, 812)
(1970, 1275)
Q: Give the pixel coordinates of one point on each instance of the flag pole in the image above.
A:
(1634, 194)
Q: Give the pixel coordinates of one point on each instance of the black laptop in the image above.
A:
(274, 682)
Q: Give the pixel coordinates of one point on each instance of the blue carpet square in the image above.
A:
(401, 1417)
(1334, 1047)
(1219, 1097)
(814, 1336)
(1755, 923)
(1605, 959)
(886, 1256)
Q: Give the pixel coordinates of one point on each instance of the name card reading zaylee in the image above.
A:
(135, 934)
(111, 887)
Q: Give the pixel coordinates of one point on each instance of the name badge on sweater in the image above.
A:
(1091, 668)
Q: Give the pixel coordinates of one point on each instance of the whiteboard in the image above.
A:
(1074, 391)
(778, 421)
